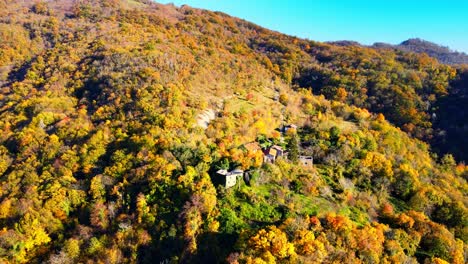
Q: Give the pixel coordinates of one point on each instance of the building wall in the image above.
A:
(306, 161)
(230, 181)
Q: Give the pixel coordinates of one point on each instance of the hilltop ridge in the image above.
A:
(441, 53)
(135, 132)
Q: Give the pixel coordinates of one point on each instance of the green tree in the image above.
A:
(293, 148)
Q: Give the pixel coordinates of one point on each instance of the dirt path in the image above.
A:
(204, 118)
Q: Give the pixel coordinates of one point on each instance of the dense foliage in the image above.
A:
(102, 158)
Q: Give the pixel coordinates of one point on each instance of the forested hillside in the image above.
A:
(416, 45)
(118, 119)
(443, 54)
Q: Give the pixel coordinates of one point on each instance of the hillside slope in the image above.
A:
(103, 159)
(443, 54)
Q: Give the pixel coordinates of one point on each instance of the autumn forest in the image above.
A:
(136, 132)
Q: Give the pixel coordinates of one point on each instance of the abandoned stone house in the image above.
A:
(306, 160)
(279, 150)
(272, 153)
(231, 177)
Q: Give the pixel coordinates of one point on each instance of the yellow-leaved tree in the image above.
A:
(271, 242)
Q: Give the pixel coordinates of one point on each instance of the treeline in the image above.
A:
(443, 54)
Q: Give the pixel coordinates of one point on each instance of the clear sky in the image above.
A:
(367, 21)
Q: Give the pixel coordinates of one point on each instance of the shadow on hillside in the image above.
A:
(211, 248)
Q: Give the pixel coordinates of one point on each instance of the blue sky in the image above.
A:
(367, 21)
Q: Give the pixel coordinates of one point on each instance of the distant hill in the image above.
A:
(345, 43)
(443, 54)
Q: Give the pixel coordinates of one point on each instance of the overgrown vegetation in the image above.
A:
(101, 158)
